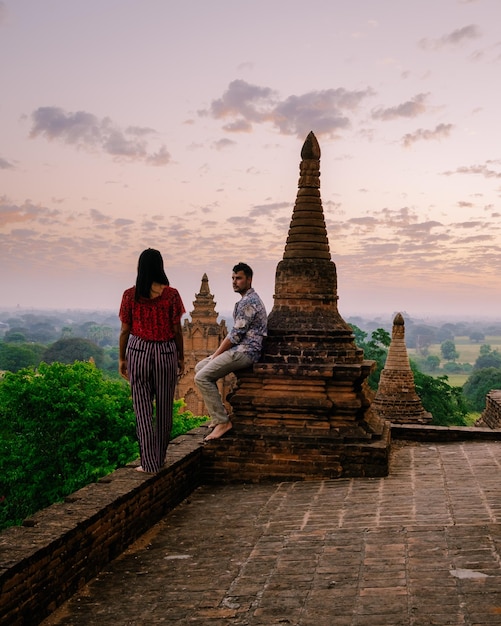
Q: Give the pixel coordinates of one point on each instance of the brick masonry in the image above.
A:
(45, 561)
(491, 416)
(304, 410)
(396, 398)
(201, 336)
(61, 548)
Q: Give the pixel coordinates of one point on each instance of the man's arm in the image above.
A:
(225, 345)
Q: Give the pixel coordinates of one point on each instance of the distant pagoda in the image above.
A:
(202, 336)
(396, 398)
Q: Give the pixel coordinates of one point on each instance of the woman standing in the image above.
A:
(151, 355)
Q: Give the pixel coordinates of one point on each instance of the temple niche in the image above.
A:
(305, 409)
(202, 336)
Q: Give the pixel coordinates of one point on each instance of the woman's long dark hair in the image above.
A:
(150, 269)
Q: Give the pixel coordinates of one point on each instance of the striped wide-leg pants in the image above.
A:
(152, 367)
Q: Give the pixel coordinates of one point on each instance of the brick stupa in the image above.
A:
(304, 411)
(202, 336)
(396, 398)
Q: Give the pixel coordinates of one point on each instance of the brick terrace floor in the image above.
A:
(422, 546)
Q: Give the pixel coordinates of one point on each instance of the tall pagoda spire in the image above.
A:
(307, 232)
(305, 309)
(204, 306)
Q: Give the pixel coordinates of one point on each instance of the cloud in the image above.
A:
(243, 99)
(99, 217)
(3, 12)
(162, 157)
(386, 246)
(268, 210)
(455, 38)
(5, 165)
(327, 112)
(221, 144)
(238, 126)
(85, 130)
(27, 212)
(470, 224)
(482, 170)
(442, 131)
(412, 108)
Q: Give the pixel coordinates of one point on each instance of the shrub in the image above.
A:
(61, 427)
(183, 421)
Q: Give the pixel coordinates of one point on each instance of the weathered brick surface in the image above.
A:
(491, 416)
(421, 546)
(396, 398)
(304, 410)
(241, 457)
(63, 546)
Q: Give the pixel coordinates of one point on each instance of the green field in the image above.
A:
(468, 353)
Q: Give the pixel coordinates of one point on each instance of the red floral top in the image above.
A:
(152, 319)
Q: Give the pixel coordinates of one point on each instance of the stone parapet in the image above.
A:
(422, 432)
(59, 549)
(62, 547)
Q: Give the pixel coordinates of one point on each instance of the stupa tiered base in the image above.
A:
(313, 425)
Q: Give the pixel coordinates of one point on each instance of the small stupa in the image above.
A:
(396, 398)
(202, 336)
(304, 410)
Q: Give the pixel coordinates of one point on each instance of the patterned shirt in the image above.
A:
(249, 325)
(152, 319)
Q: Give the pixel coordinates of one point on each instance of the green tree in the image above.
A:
(448, 350)
(184, 420)
(420, 336)
(487, 358)
(14, 357)
(100, 334)
(478, 385)
(74, 349)
(15, 336)
(432, 362)
(376, 349)
(61, 427)
(443, 401)
(476, 336)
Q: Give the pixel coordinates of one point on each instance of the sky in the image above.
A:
(129, 124)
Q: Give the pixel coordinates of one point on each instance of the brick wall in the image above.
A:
(253, 458)
(491, 416)
(62, 547)
(59, 549)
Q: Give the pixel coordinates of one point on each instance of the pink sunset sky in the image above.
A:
(128, 124)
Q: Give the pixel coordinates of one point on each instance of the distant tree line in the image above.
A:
(29, 338)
